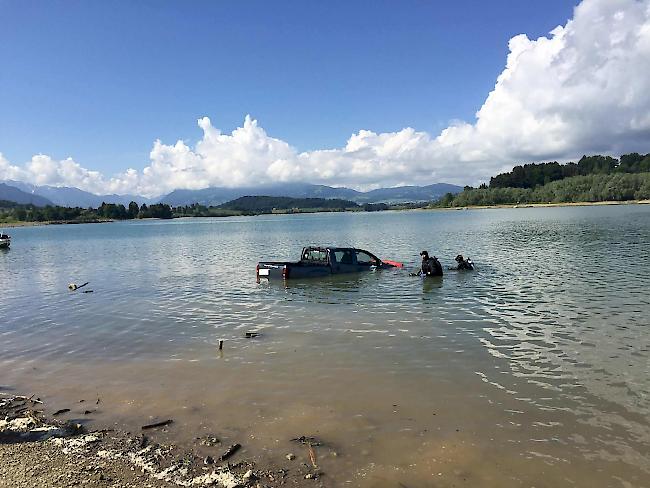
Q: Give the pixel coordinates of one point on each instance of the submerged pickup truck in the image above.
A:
(324, 261)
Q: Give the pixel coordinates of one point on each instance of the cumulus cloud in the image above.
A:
(43, 170)
(584, 88)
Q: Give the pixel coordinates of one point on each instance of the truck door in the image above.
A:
(345, 261)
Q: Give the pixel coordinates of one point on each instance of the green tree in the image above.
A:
(133, 211)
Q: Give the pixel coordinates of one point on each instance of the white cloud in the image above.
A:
(583, 89)
(8, 171)
(43, 170)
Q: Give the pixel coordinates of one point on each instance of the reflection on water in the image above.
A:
(531, 370)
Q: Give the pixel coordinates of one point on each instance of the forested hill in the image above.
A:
(591, 179)
(533, 175)
(266, 204)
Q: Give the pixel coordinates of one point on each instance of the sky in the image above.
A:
(147, 97)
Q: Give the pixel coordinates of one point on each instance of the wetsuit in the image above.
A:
(431, 267)
(465, 264)
(436, 267)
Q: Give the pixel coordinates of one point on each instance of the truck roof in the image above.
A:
(330, 248)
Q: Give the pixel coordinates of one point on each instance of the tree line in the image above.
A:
(198, 210)
(592, 179)
(533, 175)
(10, 211)
(589, 188)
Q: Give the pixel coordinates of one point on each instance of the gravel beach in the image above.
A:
(36, 451)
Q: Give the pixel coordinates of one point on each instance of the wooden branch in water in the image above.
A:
(157, 424)
(229, 452)
(312, 456)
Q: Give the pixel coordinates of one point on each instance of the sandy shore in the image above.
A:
(51, 222)
(36, 451)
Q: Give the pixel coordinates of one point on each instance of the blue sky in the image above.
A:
(100, 81)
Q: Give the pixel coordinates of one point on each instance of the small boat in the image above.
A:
(5, 241)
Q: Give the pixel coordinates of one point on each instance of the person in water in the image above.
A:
(463, 264)
(430, 266)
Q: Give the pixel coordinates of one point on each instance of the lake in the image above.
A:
(531, 371)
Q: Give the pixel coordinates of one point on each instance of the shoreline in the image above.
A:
(39, 450)
(545, 205)
(52, 222)
(468, 207)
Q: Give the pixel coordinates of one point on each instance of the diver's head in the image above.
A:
(425, 254)
(459, 258)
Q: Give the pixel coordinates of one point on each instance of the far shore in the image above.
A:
(545, 205)
(53, 222)
(468, 207)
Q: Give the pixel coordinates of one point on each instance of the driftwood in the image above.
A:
(312, 456)
(63, 410)
(73, 286)
(157, 424)
(229, 452)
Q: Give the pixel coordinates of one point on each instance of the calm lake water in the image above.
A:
(531, 371)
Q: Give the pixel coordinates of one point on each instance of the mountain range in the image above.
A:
(16, 195)
(74, 197)
(66, 196)
(219, 195)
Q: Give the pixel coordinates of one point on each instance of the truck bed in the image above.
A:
(295, 269)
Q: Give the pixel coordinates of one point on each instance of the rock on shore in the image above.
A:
(39, 452)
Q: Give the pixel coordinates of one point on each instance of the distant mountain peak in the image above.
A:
(16, 195)
(68, 196)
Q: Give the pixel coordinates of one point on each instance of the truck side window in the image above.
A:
(317, 255)
(343, 257)
(365, 259)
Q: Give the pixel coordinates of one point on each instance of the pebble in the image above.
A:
(208, 460)
(210, 441)
(248, 475)
(310, 476)
(290, 456)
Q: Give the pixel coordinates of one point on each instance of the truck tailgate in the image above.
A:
(271, 269)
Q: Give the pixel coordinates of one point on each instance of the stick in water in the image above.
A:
(157, 424)
(312, 456)
(229, 452)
